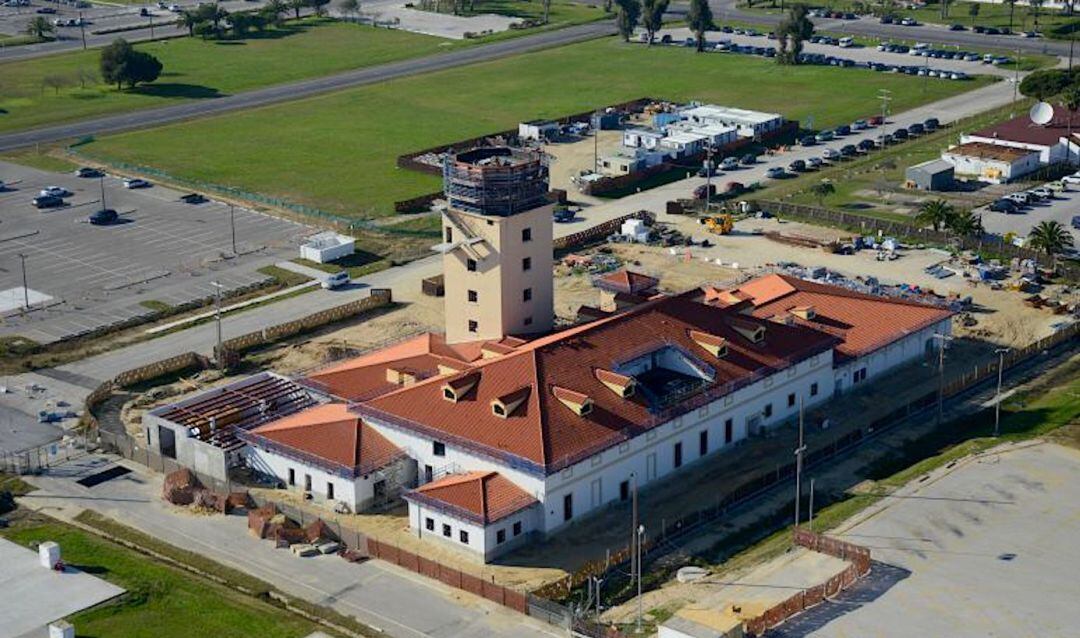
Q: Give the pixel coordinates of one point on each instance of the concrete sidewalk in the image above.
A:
(386, 597)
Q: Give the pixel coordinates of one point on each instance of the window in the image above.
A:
(329, 491)
(526, 234)
(528, 321)
(428, 473)
(791, 400)
(813, 389)
(767, 411)
(446, 530)
(473, 297)
(526, 295)
(470, 265)
(526, 263)
(729, 431)
(449, 234)
(473, 326)
(292, 476)
(438, 448)
(307, 482)
(500, 537)
(568, 507)
(429, 524)
(624, 490)
(517, 528)
(860, 375)
(464, 536)
(703, 442)
(678, 455)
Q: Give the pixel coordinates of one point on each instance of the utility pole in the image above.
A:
(232, 226)
(25, 289)
(101, 182)
(596, 145)
(708, 177)
(151, 26)
(942, 340)
(811, 504)
(640, 538)
(1016, 75)
(885, 95)
(82, 28)
(219, 355)
(997, 398)
(798, 464)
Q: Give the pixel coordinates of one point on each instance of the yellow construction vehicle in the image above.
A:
(720, 224)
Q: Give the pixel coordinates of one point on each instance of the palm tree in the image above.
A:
(39, 27)
(936, 213)
(1050, 237)
(965, 222)
(1033, 9)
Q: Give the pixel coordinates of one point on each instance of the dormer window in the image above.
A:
(505, 405)
(753, 332)
(804, 312)
(581, 404)
(620, 384)
(456, 389)
(448, 394)
(714, 345)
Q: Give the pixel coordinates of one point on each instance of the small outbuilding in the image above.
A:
(537, 129)
(935, 175)
(993, 163)
(327, 247)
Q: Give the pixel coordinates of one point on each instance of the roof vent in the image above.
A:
(580, 403)
(455, 390)
(804, 312)
(620, 384)
(714, 345)
(505, 405)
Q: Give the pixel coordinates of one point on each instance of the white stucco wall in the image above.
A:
(482, 542)
(882, 360)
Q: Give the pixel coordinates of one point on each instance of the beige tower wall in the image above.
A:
(500, 278)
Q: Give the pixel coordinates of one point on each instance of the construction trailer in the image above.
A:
(935, 175)
(327, 247)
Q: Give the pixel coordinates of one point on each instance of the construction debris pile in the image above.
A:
(316, 538)
(183, 488)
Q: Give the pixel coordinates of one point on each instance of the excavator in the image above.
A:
(719, 224)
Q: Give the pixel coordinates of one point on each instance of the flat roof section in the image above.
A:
(983, 150)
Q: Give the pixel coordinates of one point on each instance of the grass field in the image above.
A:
(1052, 23)
(199, 69)
(337, 152)
(161, 601)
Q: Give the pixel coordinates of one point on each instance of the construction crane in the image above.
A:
(719, 225)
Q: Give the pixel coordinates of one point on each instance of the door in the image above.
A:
(650, 467)
(597, 494)
(167, 442)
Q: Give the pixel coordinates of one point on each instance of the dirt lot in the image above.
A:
(569, 158)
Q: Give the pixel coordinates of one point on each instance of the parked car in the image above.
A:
(843, 129)
(956, 27)
(848, 150)
(47, 201)
(706, 171)
(136, 182)
(1072, 179)
(336, 280)
(858, 125)
(814, 162)
(909, 22)
(900, 134)
(1076, 222)
(748, 159)
(87, 171)
(775, 173)
(797, 166)
(916, 129)
(563, 215)
(55, 191)
(846, 42)
(830, 154)
(103, 216)
(824, 136)
(1020, 198)
(192, 198)
(1004, 206)
(866, 145)
(931, 124)
(877, 120)
(809, 140)
(46, 10)
(729, 163)
(883, 140)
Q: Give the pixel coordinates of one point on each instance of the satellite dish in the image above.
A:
(1041, 113)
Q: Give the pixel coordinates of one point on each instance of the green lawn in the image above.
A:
(336, 152)
(199, 69)
(161, 601)
(1052, 23)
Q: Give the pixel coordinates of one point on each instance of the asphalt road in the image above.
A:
(305, 88)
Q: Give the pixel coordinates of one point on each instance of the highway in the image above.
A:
(305, 88)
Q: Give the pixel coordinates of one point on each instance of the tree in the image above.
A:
(627, 17)
(188, 20)
(40, 28)
(822, 190)
(1034, 6)
(122, 64)
(1045, 84)
(965, 222)
(652, 17)
(274, 9)
(318, 6)
(699, 18)
(973, 11)
(945, 8)
(547, 9)
(1012, 10)
(54, 82)
(936, 213)
(792, 32)
(241, 23)
(296, 6)
(1050, 237)
(349, 7)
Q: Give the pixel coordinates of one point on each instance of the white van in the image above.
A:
(847, 43)
(336, 280)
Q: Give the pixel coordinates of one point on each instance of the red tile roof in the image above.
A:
(627, 281)
(864, 322)
(483, 497)
(327, 435)
(542, 434)
(1021, 129)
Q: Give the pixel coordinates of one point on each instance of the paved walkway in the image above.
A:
(397, 602)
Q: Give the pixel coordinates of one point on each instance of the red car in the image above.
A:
(877, 120)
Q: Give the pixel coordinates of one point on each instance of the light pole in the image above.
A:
(885, 95)
(997, 399)
(811, 520)
(942, 340)
(25, 289)
(232, 226)
(82, 29)
(220, 354)
(708, 177)
(798, 464)
(633, 525)
(640, 537)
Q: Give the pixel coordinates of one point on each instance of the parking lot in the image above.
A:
(978, 565)
(83, 277)
(1062, 208)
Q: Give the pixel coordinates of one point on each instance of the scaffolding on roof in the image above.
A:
(496, 181)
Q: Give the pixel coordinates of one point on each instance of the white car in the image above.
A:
(55, 191)
(846, 43)
(336, 280)
(136, 182)
(1072, 179)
